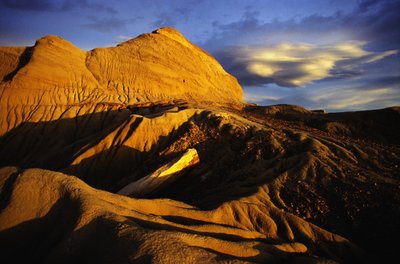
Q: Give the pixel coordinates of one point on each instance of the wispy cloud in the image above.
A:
(342, 96)
(122, 38)
(94, 7)
(257, 98)
(172, 17)
(354, 99)
(107, 24)
(372, 21)
(294, 65)
(35, 5)
(56, 5)
(164, 20)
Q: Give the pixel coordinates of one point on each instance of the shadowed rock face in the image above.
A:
(270, 184)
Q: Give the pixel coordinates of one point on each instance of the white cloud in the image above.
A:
(294, 65)
(333, 97)
(356, 100)
(123, 38)
(257, 98)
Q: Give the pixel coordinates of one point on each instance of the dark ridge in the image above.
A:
(23, 60)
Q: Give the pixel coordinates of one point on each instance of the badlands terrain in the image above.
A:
(146, 153)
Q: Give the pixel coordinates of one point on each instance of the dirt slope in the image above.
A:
(67, 221)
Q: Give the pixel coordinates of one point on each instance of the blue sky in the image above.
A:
(333, 54)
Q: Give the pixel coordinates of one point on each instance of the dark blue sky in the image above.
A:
(332, 54)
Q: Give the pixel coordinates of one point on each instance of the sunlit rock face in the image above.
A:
(212, 179)
(54, 77)
(162, 177)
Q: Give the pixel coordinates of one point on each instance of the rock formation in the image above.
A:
(163, 176)
(54, 79)
(270, 184)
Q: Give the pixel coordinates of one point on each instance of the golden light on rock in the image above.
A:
(146, 152)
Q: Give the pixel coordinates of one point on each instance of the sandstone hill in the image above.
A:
(145, 153)
(54, 79)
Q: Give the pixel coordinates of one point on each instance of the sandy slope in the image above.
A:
(65, 220)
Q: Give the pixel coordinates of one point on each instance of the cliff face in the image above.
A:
(54, 75)
(162, 65)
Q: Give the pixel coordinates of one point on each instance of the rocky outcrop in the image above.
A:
(163, 176)
(53, 77)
